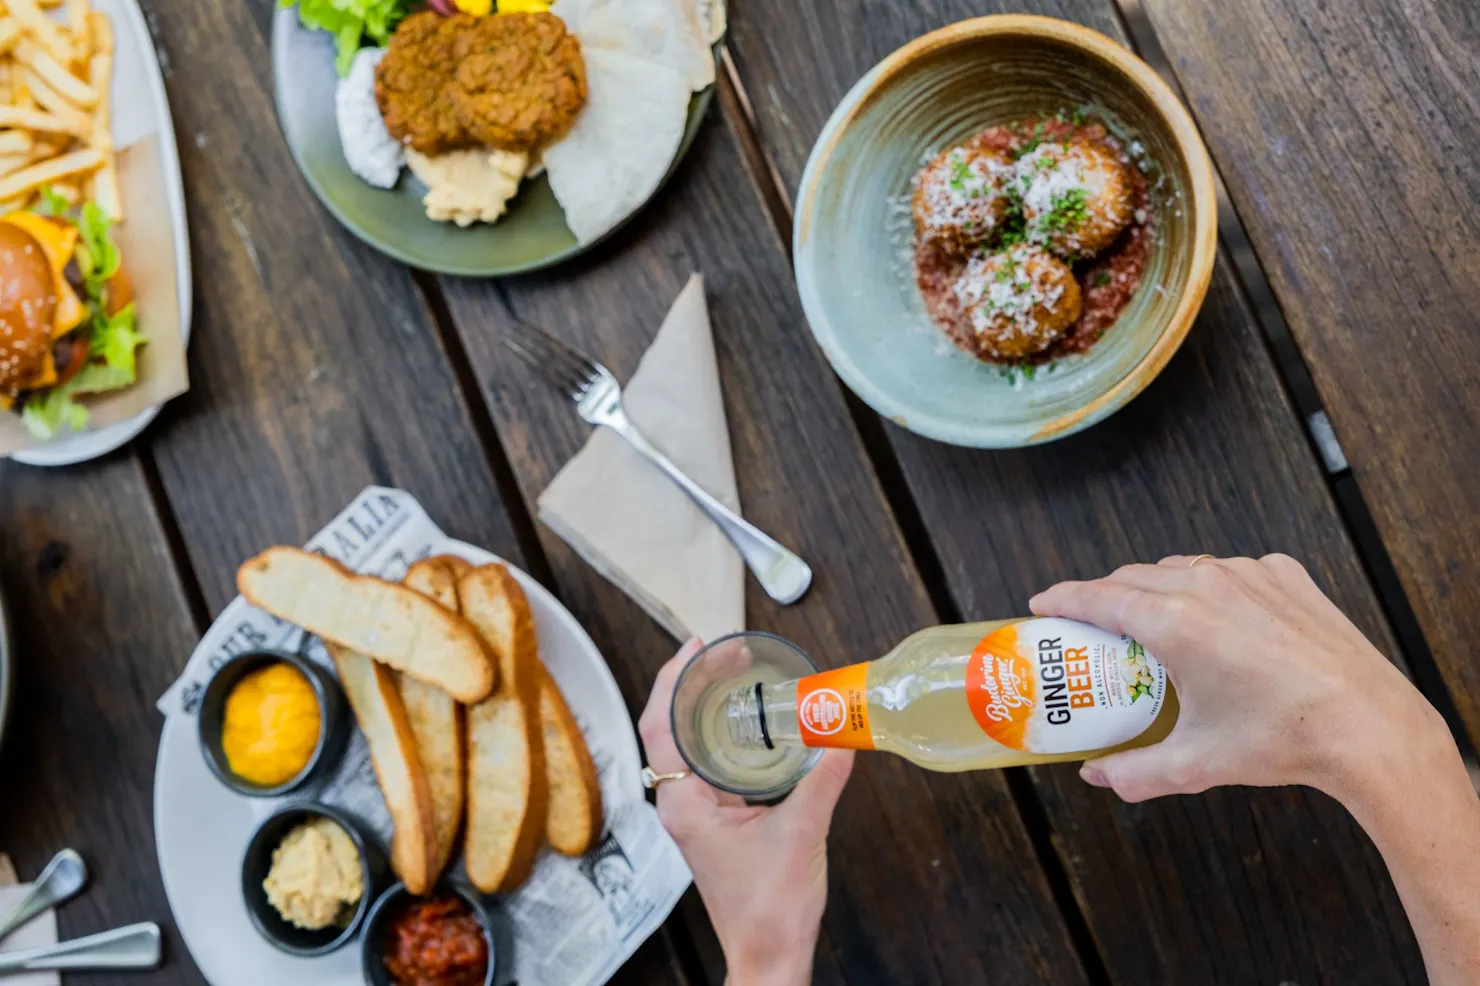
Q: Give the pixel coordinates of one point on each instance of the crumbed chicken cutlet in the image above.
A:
(413, 83)
(511, 81)
(520, 80)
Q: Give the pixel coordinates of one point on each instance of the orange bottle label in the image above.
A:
(1001, 688)
(832, 708)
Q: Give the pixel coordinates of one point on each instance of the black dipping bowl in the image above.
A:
(257, 861)
(372, 942)
(333, 721)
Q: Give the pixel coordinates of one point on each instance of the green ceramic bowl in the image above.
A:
(852, 231)
(531, 235)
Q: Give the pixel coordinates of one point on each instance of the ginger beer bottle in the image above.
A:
(970, 697)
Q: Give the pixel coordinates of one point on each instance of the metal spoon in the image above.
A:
(136, 946)
(63, 878)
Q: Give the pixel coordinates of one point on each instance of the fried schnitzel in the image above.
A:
(508, 81)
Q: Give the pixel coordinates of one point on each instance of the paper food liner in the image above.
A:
(146, 241)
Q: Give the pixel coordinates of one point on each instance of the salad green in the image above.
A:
(350, 21)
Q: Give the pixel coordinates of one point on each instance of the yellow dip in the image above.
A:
(315, 880)
(271, 725)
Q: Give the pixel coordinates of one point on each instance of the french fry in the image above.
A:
(69, 191)
(10, 33)
(79, 22)
(49, 171)
(11, 163)
(102, 33)
(16, 142)
(42, 28)
(48, 4)
(43, 69)
(74, 123)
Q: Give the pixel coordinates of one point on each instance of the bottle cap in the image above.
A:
(720, 682)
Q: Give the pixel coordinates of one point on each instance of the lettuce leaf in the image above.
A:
(115, 341)
(112, 365)
(53, 203)
(97, 255)
(47, 415)
(349, 21)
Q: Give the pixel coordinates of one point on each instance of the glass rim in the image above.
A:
(764, 794)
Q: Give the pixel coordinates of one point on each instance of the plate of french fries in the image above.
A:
(84, 119)
(493, 747)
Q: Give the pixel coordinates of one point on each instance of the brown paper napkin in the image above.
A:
(628, 520)
(40, 930)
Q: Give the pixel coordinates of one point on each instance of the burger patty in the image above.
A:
(510, 81)
(28, 305)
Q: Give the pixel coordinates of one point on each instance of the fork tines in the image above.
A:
(564, 368)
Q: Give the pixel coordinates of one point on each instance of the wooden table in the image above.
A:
(1347, 135)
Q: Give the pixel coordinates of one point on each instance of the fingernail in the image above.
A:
(1093, 776)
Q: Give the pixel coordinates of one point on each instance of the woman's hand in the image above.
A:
(762, 872)
(1276, 685)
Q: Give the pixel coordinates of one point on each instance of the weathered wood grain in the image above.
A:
(1347, 134)
(1236, 886)
(931, 881)
(101, 628)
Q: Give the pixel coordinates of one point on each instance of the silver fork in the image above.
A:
(598, 399)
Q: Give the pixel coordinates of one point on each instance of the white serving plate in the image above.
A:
(140, 110)
(201, 827)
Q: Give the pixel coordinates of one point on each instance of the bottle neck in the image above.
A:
(761, 716)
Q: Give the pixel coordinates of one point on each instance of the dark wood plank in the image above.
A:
(316, 365)
(101, 629)
(1237, 886)
(932, 879)
(1347, 134)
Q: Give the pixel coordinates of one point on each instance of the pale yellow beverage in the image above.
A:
(968, 697)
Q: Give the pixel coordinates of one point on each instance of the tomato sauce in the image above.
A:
(1107, 281)
(436, 942)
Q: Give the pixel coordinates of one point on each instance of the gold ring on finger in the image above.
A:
(1197, 559)
(651, 778)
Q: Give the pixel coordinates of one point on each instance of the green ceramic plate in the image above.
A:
(531, 235)
(853, 228)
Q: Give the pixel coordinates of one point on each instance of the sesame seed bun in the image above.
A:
(27, 308)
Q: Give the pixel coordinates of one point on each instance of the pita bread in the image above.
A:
(669, 32)
(620, 148)
(713, 18)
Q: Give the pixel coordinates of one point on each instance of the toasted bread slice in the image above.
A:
(574, 822)
(379, 619)
(456, 565)
(403, 783)
(507, 789)
(437, 723)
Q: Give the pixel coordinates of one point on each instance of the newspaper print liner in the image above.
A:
(573, 924)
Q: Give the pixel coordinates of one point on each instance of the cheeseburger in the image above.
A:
(66, 315)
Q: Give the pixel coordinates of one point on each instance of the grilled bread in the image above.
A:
(574, 821)
(380, 619)
(507, 788)
(437, 724)
(372, 694)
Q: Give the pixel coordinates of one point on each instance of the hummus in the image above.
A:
(468, 186)
(315, 880)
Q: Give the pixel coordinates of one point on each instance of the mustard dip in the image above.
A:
(271, 725)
